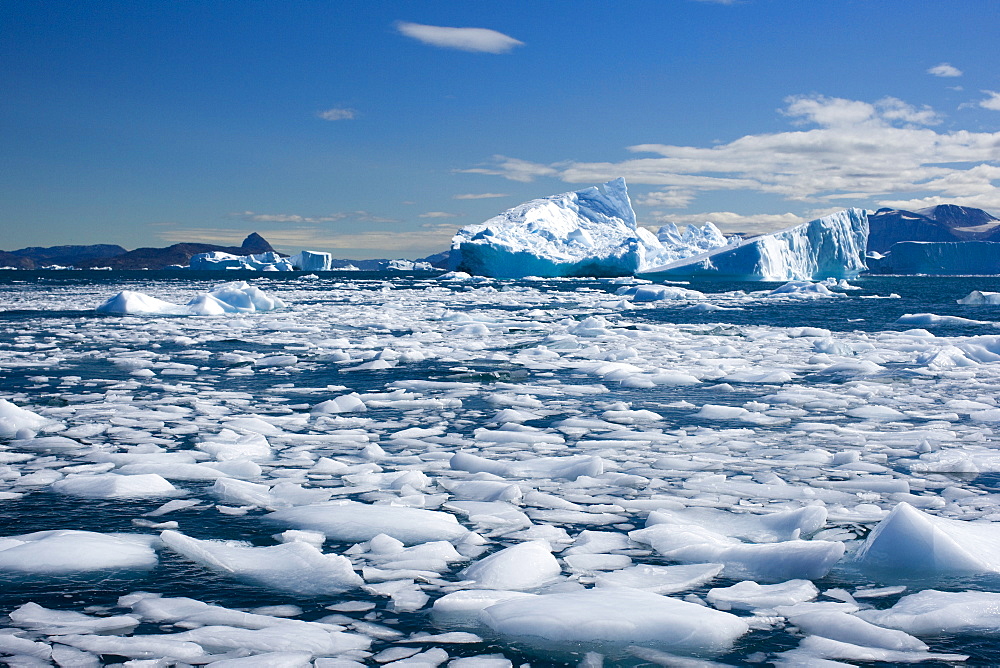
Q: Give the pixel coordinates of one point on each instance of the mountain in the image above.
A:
(177, 254)
(34, 257)
(942, 223)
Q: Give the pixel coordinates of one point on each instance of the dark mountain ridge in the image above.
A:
(942, 223)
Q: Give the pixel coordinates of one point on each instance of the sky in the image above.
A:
(378, 129)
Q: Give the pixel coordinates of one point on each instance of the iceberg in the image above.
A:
(311, 261)
(829, 247)
(217, 260)
(589, 232)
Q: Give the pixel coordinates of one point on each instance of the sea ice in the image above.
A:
(296, 567)
(749, 595)
(114, 486)
(910, 543)
(17, 422)
(614, 618)
(519, 567)
(930, 613)
(350, 521)
(980, 298)
(660, 579)
(68, 551)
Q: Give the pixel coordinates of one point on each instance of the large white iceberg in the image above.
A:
(830, 247)
(590, 232)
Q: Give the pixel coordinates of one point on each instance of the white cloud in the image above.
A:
(480, 40)
(674, 198)
(338, 114)
(945, 70)
(858, 153)
(438, 214)
(480, 196)
(361, 216)
(992, 102)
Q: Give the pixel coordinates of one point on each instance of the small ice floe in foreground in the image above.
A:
(942, 613)
(296, 567)
(236, 297)
(67, 551)
(909, 543)
(114, 486)
(609, 619)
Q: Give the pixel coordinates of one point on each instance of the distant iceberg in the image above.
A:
(260, 262)
(589, 232)
(830, 247)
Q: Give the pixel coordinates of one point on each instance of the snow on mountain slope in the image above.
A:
(830, 247)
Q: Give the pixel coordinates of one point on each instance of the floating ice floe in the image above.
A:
(932, 319)
(932, 613)
(114, 486)
(351, 521)
(68, 551)
(655, 293)
(612, 619)
(980, 298)
(296, 567)
(237, 297)
(17, 422)
(519, 567)
(910, 543)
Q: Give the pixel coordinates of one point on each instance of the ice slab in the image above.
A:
(980, 298)
(931, 613)
(68, 551)
(296, 567)
(114, 486)
(910, 543)
(614, 618)
(354, 522)
(660, 579)
(519, 567)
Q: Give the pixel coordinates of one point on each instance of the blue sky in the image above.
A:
(377, 129)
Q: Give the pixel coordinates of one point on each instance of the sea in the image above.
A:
(728, 403)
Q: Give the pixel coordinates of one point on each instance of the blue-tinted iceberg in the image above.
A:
(590, 232)
(311, 261)
(830, 247)
(259, 262)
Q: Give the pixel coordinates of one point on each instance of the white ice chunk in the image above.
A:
(660, 579)
(519, 567)
(940, 613)
(114, 486)
(67, 551)
(14, 418)
(614, 617)
(912, 543)
(353, 522)
(749, 595)
(295, 567)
